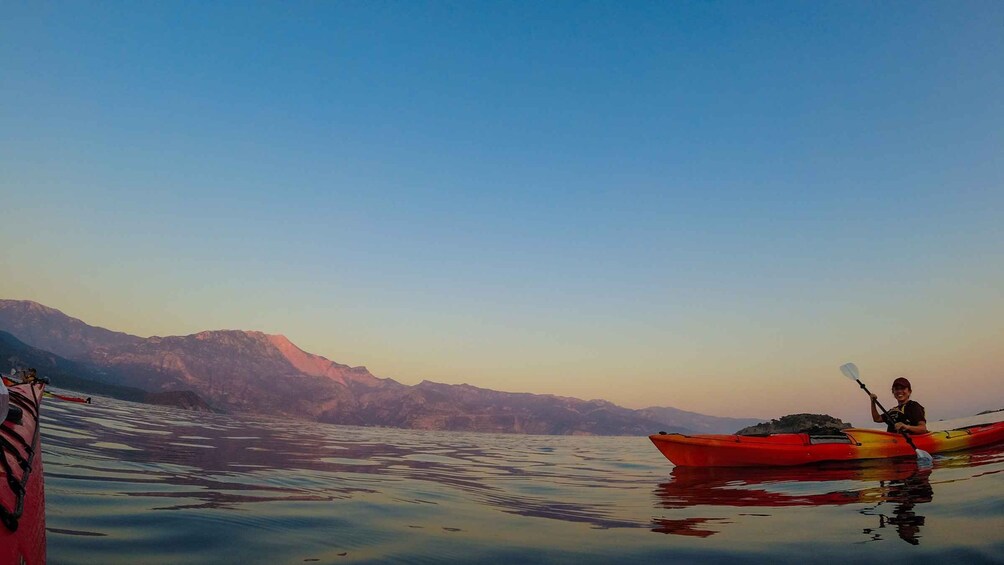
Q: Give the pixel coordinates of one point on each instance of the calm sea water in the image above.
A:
(131, 483)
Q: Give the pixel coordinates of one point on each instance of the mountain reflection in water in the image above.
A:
(129, 482)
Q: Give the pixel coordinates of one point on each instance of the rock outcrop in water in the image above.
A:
(797, 423)
(184, 399)
(246, 371)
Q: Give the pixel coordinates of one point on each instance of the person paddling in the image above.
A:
(908, 416)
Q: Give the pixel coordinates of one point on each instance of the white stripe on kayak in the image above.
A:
(942, 425)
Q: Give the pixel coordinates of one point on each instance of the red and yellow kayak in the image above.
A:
(22, 496)
(800, 449)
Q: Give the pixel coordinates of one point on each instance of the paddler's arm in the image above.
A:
(876, 417)
(920, 428)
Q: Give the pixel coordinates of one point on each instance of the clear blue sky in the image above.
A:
(703, 205)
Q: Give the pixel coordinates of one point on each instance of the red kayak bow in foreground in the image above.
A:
(22, 496)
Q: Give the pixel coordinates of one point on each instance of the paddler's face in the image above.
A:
(901, 393)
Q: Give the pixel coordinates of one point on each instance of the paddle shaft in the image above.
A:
(8, 381)
(69, 398)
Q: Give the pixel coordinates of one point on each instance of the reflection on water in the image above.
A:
(125, 479)
(904, 495)
(875, 483)
(891, 490)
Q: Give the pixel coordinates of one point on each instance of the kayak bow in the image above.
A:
(22, 496)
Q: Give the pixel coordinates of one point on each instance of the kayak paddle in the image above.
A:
(850, 370)
(67, 397)
(11, 382)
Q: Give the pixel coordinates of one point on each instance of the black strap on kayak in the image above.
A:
(24, 455)
(26, 404)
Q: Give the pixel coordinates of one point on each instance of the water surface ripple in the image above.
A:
(130, 483)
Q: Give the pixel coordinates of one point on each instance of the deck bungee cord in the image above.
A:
(23, 452)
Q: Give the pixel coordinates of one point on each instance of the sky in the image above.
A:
(707, 205)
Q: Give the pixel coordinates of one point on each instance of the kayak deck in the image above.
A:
(802, 449)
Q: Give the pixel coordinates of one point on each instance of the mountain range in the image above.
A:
(249, 371)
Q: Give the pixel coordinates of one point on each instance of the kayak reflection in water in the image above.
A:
(872, 483)
(766, 486)
(905, 494)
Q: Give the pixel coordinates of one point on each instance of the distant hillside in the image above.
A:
(234, 370)
(64, 373)
(699, 423)
(49, 329)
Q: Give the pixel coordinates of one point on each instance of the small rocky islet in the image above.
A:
(815, 424)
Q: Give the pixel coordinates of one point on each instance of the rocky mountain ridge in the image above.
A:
(249, 371)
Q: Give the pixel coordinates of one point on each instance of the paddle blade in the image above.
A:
(924, 458)
(850, 370)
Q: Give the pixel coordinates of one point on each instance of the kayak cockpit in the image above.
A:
(834, 438)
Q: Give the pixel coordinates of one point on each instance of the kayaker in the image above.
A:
(908, 416)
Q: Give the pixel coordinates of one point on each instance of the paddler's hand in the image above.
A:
(901, 427)
(874, 397)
